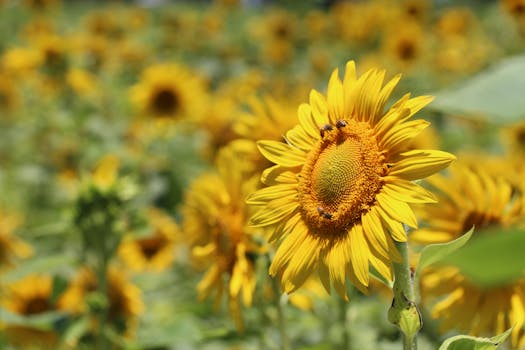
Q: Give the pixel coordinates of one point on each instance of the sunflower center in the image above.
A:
(336, 171)
(341, 177)
(407, 51)
(36, 305)
(151, 246)
(165, 101)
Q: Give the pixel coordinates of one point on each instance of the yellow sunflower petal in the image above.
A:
(397, 210)
(409, 192)
(319, 108)
(271, 193)
(335, 98)
(299, 138)
(281, 153)
(307, 120)
(301, 265)
(418, 164)
(278, 175)
(360, 253)
(274, 212)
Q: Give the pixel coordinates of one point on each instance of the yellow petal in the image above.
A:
(274, 212)
(335, 98)
(396, 209)
(271, 193)
(360, 252)
(418, 164)
(281, 153)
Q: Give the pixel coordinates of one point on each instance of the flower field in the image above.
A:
(280, 174)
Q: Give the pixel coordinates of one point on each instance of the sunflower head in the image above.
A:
(168, 91)
(30, 296)
(155, 251)
(469, 196)
(338, 193)
(216, 224)
(124, 298)
(11, 246)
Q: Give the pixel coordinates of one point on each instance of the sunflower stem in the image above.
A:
(404, 312)
(343, 311)
(281, 316)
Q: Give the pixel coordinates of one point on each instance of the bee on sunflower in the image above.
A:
(339, 192)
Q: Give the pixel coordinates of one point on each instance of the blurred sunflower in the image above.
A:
(267, 119)
(11, 247)
(471, 197)
(516, 8)
(30, 296)
(124, 298)
(82, 82)
(339, 193)
(153, 252)
(405, 46)
(9, 94)
(168, 91)
(21, 61)
(215, 224)
(514, 137)
(455, 21)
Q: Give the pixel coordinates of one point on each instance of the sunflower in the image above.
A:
(406, 45)
(470, 196)
(11, 247)
(125, 303)
(514, 137)
(168, 91)
(267, 119)
(9, 94)
(216, 224)
(30, 296)
(340, 187)
(153, 252)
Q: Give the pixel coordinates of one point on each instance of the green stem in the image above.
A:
(403, 311)
(343, 309)
(103, 290)
(281, 317)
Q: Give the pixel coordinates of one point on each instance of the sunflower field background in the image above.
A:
(131, 156)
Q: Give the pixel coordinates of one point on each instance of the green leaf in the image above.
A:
(434, 253)
(493, 258)
(496, 93)
(38, 265)
(43, 321)
(466, 342)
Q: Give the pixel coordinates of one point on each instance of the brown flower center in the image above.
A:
(36, 305)
(165, 102)
(150, 246)
(341, 177)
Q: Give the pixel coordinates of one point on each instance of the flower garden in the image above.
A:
(281, 174)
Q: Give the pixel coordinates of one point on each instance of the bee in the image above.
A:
(324, 213)
(326, 127)
(340, 124)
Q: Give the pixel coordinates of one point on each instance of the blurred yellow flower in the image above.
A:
(471, 197)
(169, 91)
(340, 189)
(11, 246)
(155, 251)
(124, 298)
(20, 61)
(215, 224)
(81, 81)
(30, 296)
(9, 94)
(105, 174)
